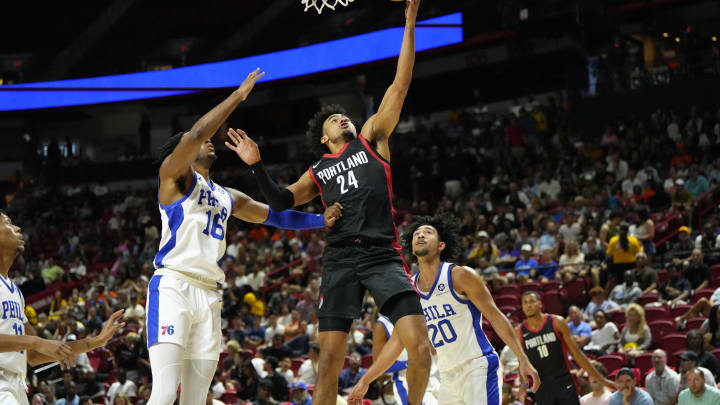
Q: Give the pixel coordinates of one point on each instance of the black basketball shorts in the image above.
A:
(349, 271)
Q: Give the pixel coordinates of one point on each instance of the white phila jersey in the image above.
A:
(454, 323)
(12, 323)
(193, 233)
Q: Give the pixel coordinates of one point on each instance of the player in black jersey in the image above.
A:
(362, 252)
(546, 340)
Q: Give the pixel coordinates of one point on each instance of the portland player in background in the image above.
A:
(382, 332)
(362, 252)
(546, 339)
(454, 300)
(184, 297)
(18, 344)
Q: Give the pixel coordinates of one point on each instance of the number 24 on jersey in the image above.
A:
(351, 181)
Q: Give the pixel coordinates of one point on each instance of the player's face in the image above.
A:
(531, 305)
(336, 127)
(426, 241)
(207, 151)
(10, 236)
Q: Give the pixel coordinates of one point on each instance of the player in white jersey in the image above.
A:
(454, 299)
(382, 332)
(184, 298)
(18, 344)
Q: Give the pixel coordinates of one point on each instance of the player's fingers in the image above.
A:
(260, 75)
(536, 382)
(234, 136)
(116, 316)
(231, 137)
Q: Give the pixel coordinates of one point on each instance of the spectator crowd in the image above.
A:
(616, 230)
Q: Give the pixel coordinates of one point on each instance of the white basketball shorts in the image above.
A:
(12, 389)
(400, 389)
(185, 314)
(477, 381)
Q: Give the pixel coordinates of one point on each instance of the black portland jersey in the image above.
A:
(545, 349)
(360, 179)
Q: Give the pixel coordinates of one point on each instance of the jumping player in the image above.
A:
(382, 332)
(362, 252)
(546, 340)
(454, 300)
(184, 297)
(18, 344)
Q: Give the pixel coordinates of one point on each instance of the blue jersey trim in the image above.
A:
(491, 387)
(175, 215)
(153, 310)
(387, 331)
(400, 389)
(452, 289)
(482, 340)
(429, 294)
(232, 202)
(10, 286)
(180, 201)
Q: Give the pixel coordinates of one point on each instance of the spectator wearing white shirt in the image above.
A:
(121, 386)
(605, 336)
(617, 166)
(550, 187)
(135, 311)
(309, 369)
(78, 269)
(599, 395)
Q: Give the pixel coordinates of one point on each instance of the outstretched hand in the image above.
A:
(332, 214)
(246, 148)
(112, 325)
(57, 350)
(249, 82)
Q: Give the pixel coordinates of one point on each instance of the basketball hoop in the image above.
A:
(331, 4)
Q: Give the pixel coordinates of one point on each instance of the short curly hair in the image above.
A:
(448, 229)
(315, 128)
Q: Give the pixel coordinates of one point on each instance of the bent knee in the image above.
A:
(421, 351)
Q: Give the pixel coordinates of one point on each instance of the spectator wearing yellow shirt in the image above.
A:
(484, 248)
(622, 253)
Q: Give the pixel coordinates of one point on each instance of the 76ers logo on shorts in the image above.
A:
(167, 329)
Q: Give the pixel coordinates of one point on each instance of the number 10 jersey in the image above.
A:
(193, 233)
(454, 323)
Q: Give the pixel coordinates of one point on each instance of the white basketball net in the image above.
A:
(320, 4)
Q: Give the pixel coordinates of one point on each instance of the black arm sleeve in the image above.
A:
(279, 199)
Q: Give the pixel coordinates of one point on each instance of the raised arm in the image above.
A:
(382, 362)
(112, 325)
(249, 210)
(31, 343)
(473, 287)
(577, 354)
(178, 163)
(279, 198)
(379, 127)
